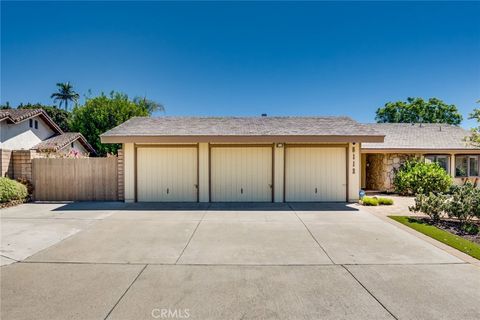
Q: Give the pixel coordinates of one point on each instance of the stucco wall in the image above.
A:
(20, 136)
(77, 146)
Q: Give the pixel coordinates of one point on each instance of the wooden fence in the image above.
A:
(85, 179)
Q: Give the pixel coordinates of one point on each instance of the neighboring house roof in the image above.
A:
(184, 128)
(59, 142)
(431, 136)
(19, 115)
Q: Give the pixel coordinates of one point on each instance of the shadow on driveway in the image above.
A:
(218, 206)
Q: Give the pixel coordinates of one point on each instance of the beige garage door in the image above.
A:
(167, 174)
(241, 174)
(315, 174)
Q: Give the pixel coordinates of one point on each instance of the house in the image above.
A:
(441, 143)
(33, 130)
(262, 159)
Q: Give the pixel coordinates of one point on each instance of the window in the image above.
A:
(36, 124)
(71, 145)
(30, 122)
(442, 160)
(466, 166)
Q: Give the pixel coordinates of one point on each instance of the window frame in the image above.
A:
(468, 157)
(36, 124)
(30, 123)
(436, 155)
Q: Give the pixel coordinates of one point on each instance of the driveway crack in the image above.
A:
(128, 288)
(193, 233)
(311, 234)
(369, 292)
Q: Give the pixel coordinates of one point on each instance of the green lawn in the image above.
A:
(468, 247)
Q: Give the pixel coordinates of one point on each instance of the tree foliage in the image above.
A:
(475, 137)
(64, 94)
(102, 113)
(416, 176)
(417, 110)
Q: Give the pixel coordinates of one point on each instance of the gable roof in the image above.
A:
(427, 136)
(59, 142)
(19, 115)
(254, 128)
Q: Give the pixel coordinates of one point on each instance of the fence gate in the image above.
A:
(84, 179)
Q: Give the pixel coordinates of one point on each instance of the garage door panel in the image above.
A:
(241, 174)
(167, 174)
(315, 174)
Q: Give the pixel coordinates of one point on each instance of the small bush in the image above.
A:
(12, 190)
(465, 203)
(368, 201)
(432, 205)
(415, 177)
(385, 201)
(470, 228)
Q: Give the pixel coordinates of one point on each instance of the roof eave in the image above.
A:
(240, 138)
(421, 150)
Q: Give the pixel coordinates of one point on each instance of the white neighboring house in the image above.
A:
(33, 129)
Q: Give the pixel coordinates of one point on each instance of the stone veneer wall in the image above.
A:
(381, 169)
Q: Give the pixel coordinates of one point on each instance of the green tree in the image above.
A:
(102, 113)
(150, 105)
(417, 110)
(475, 138)
(65, 94)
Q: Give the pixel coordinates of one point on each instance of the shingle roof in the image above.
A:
(18, 115)
(419, 136)
(58, 142)
(241, 126)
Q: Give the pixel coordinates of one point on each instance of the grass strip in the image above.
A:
(457, 242)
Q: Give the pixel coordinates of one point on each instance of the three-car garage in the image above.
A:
(241, 173)
(241, 159)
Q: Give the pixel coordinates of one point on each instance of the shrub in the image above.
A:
(415, 177)
(432, 205)
(368, 201)
(465, 203)
(12, 190)
(385, 201)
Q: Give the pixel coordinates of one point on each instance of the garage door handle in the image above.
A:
(168, 190)
(316, 190)
(241, 190)
(270, 186)
(196, 186)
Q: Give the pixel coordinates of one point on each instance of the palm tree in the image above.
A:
(65, 93)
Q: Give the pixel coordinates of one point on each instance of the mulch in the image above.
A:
(455, 227)
(12, 203)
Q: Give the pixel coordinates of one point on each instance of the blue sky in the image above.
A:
(341, 58)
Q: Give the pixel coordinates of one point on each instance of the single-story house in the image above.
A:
(269, 159)
(278, 159)
(33, 130)
(441, 143)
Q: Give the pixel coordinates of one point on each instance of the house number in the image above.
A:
(353, 162)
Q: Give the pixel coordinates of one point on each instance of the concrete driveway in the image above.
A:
(224, 261)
